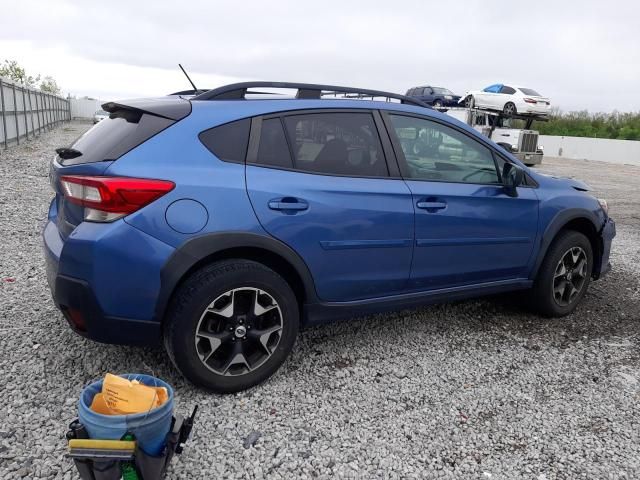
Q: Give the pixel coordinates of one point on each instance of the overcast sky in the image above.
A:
(582, 54)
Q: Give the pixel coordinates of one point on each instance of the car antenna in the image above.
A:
(188, 78)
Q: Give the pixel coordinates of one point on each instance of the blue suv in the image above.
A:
(217, 224)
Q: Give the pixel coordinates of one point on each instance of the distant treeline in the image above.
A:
(623, 126)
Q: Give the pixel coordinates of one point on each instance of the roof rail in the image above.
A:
(238, 91)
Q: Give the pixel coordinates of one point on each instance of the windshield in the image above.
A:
(442, 91)
(528, 91)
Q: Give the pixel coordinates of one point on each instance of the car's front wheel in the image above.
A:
(437, 104)
(564, 275)
(231, 325)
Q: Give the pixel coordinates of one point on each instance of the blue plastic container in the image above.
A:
(150, 428)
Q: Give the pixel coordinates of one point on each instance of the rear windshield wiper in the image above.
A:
(68, 153)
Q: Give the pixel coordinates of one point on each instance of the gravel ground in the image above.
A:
(476, 389)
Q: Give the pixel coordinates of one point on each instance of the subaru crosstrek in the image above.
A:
(218, 224)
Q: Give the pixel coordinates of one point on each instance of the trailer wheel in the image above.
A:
(469, 102)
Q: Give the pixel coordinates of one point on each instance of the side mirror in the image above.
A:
(512, 178)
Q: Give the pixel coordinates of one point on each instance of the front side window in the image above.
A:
(493, 88)
(336, 144)
(436, 152)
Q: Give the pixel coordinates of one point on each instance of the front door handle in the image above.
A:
(431, 205)
(288, 203)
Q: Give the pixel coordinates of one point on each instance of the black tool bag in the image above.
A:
(148, 467)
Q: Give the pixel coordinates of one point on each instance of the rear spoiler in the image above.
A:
(173, 108)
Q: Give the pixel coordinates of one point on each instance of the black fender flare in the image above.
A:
(561, 219)
(198, 248)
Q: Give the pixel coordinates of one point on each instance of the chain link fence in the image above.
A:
(27, 112)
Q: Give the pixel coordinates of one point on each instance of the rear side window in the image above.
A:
(228, 142)
(273, 149)
(507, 90)
(336, 144)
(114, 136)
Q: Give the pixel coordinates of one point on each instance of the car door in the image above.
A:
(428, 95)
(489, 97)
(319, 181)
(468, 230)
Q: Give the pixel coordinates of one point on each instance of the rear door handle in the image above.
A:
(431, 205)
(288, 203)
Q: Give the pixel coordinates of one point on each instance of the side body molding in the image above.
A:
(201, 247)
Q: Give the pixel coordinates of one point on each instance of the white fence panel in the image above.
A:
(84, 108)
(601, 149)
(26, 112)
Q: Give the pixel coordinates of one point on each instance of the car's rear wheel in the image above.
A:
(510, 108)
(564, 275)
(231, 325)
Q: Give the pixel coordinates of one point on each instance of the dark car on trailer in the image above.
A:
(436, 96)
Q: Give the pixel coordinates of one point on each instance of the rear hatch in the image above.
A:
(130, 123)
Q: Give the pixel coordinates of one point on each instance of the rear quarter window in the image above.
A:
(228, 142)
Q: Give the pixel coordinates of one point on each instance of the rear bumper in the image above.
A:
(607, 234)
(77, 302)
(107, 293)
(524, 107)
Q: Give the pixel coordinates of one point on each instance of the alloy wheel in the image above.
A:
(239, 331)
(570, 276)
(509, 109)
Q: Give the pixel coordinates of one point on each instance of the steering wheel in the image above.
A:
(476, 172)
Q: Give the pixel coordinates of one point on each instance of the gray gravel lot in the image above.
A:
(476, 389)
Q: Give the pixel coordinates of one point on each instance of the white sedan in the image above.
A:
(508, 99)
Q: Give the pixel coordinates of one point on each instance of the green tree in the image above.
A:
(14, 72)
(584, 124)
(49, 85)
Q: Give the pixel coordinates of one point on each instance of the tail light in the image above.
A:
(106, 199)
(530, 100)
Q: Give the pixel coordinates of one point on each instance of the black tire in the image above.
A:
(543, 296)
(510, 108)
(195, 296)
(437, 104)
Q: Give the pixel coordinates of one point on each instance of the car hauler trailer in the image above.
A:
(521, 142)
